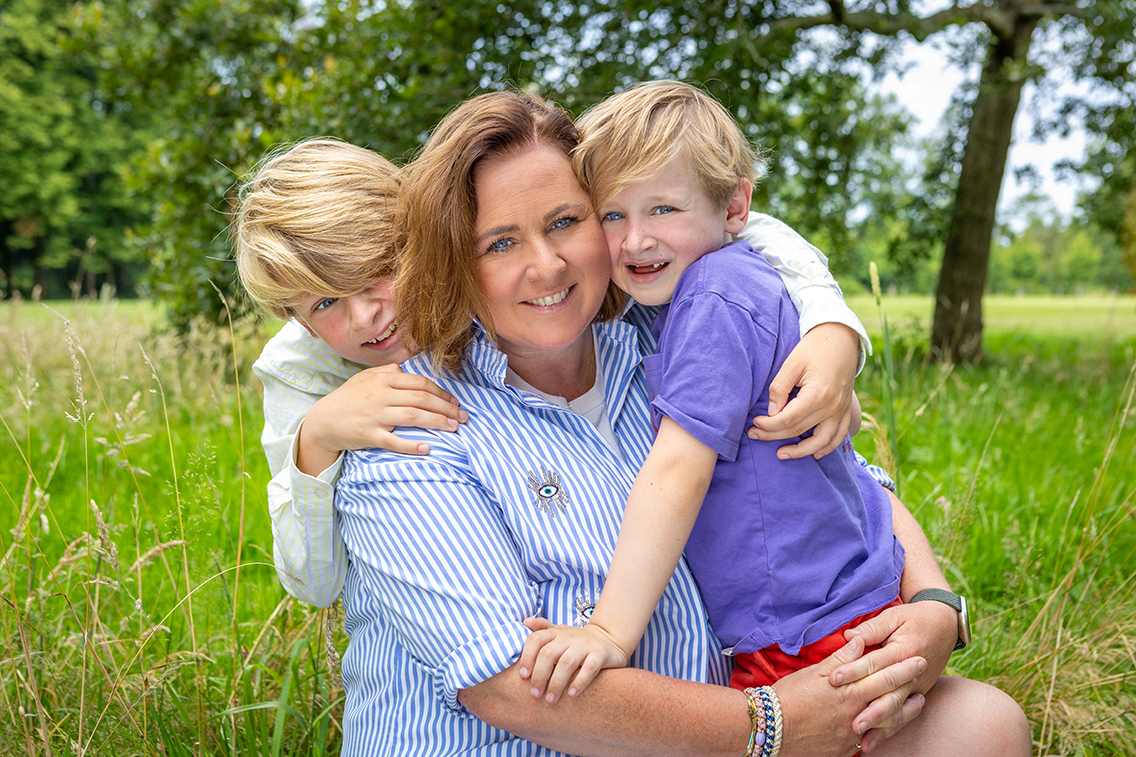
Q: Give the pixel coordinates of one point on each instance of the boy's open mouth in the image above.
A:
(649, 268)
(385, 335)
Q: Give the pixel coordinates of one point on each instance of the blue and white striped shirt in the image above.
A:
(515, 515)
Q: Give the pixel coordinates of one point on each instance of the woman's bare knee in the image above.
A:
(963, 718)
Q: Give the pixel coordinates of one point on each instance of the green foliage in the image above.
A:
(1051, 256)
(63, 210)
(230, 80)
(225, 81)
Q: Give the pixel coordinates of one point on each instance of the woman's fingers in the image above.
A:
(872, 632)
(888, 690)
(908, 712)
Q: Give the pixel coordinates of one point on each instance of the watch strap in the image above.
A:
(949, 598)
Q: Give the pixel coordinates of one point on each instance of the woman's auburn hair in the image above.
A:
(438, 300)
(316, 217)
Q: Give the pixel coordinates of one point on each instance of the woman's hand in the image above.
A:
(924, 629)
(823, 365)
(361, 414)
(822, 719)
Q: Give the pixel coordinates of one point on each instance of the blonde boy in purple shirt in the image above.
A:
(786, 553)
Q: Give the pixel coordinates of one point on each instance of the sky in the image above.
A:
(926, 90)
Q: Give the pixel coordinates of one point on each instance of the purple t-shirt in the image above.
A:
(784, 551)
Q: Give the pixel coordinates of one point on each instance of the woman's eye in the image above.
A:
(613, 215)
(563, 223)
(325, 303)
(498, 245)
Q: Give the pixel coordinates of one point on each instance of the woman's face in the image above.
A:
(542, 261)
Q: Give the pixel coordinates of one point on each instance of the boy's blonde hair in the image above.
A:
(632, 136)
(317, 217)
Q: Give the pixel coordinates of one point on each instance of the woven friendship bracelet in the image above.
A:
(773, 721)
(757, 736)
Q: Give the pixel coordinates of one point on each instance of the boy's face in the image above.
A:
(657, 227)
(360, 328)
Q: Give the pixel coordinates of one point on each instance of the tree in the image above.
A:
(237, 78)
(63, 209)
(1092, 42)
(234, 78)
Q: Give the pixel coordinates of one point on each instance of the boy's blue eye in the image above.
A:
(325, 303)
(663, 210)
(613, 215)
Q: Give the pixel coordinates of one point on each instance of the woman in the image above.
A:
(506, 285)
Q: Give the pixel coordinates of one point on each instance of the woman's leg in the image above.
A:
(963, 718)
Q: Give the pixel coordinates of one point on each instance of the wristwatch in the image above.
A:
(955, 602)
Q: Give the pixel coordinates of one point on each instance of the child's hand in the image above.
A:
(823, 365)
(554, 653)
(361, 413)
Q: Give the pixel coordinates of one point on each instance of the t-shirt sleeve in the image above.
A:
(715, 365)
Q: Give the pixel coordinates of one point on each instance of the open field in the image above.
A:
(151, 621)
(1093, 317)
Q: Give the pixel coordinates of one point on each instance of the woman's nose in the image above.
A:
(547, 262)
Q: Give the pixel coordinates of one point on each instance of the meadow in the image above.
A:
(140, 613)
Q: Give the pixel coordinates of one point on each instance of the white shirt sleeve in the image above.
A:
(307, 548)
(804, 269)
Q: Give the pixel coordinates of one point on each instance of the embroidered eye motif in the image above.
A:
(585, 605)
(549, 491)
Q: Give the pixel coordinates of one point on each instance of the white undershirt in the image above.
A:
(592, 404)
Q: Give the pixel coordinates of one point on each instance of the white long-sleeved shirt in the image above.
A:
(298, 369)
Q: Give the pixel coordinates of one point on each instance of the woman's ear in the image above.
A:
(737, 211)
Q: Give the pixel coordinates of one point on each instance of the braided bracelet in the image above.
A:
(756, 724)
(765, 722)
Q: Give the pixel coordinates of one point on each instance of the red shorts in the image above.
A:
(763, 667)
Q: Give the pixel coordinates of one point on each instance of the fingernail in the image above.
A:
(853, 631)
(861, 728)
(535, 692)
(782, 456)
(452, 424)
(921, 665)
(463, 416)
(571, 692)
(423, 449)
(839, 678)
(524, 672)
(551, 698)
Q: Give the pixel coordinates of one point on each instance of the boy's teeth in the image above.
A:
(384, 335)
(647, 268)
(551, 299)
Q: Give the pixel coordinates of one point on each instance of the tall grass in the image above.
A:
(1023, 473)
(140, 614)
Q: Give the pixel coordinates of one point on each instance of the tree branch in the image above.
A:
(1000, 21)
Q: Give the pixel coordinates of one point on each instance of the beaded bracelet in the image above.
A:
(765, 722)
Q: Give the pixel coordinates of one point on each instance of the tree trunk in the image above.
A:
(956, 334)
